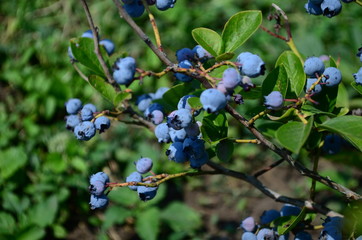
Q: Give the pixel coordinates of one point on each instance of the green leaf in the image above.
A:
(104, 88)
(43, 213)
(349, 127)
(277, 80)
(327, 99)
(195, 103)
(7, 223)
(287, 223)
(239, 28)
(357, 87)
(33, 233)
(214, 126)
(173, 95)
(12, 159)
(309, 110)
(177, 214)
(208, 39)
(253, 93)
(115, 215)
(120, 97)
(225, 56)
(294, 134)
(148, 223)
(83, 51)
(294, 69)
(286, 114)
(224, 150)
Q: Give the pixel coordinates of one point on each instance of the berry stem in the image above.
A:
(256, 117)
(154, 26)
(301, 117)
(292, 47)
(255, 141)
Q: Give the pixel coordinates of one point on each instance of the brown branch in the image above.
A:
(267, 169)
(161, 55)
(97, 50)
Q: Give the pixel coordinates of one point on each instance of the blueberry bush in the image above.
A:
(143, 119)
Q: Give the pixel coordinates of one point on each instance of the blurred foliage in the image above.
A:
(44, 170)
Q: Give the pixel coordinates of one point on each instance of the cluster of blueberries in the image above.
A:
(314, 68)
(332, 226)
(135, 8)
(328, 8)
(358, 75)
(99, 183)
(83, 120)
(106, 43)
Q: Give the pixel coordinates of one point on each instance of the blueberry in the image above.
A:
(183, 103)
(231, 78)
(87, 34)
(98, 201)
(98, 183)
(221, 87)
(251, 65)
(197, 161)
(332, 144)
(134, 177)
(70, 54)
(165, 4)
(156, 117)
(144, 165)
(159, 93)
(303, 236)
(91, 107)
(177, 135)
(332, 77)
(175, 153)
(358, 76)
(331, 8)
(134, 9)
(269, 216)
(153, 107)
(248, 236)
(248, 224)
(181, 76)
(146, 193)
(359, 53)
(180, 119)
(313, 66)
(184, 54)
(194, 147)
(124, 70)
(85, 130)
(143, 102)
(331, 233)
(274, 100)
(212, 100)
(86, 114)
(201, 53)
(246, 83)
(317, 88)
(108, 46)
(193, 130)
(266, 233)
(162, 133)
(289, 210)
(313, 8)
(73, 105)
(72, 121)
(102, 123)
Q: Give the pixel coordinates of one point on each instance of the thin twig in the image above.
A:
(267, 169)
(154, 25)
(80, 72)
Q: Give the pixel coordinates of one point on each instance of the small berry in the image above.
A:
(358, 76)
(102, 123)
(201, 53)
(332, 144)
(180, 119)
(98, 183)
(251, 65)
(87, 34)
(134, 9)
(331, 76)
(184, 54)
(162, 133)
(73, 105)
(85, 130)
(274, 100)
(159, 93)
(165, 4)
(331, 8)
(248, 236)
(98, 201)
(289, 210)
(124, 70)
(146, 193)
(313, 8)
(143, 102)
(317, 88)
(231, 78)
(177, 135)
(134, 177)
(266, 233)
(91, 107)
(86, 114)
(175, 153)
(72, 121)
(248, 224)
(144, 165)
(269, 216)
(153, 107)
(181, 76)
(156, 117)
(108, 46)
(212, 100)
(313, 66)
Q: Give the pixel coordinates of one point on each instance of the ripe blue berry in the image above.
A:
(248, 224)
(177, 135)
(332, 77)
(91, 107)
(193, 130)
(124, 70)
(159, 93)
(73, 105)
(175, 153)
(358, 76)
(134, 177)
(248, 236)
(165, 4)
(98, 201)
(317, 88)
(72, 121)
(332, 144)
(181, 76)
(194, 147)
(146, 193)
(143, 102)
(87, 34)
(274, 100)
(331, 8)
(85, 130)
(179, 119)
(197, 162)
(231, 78)
(313, 8)
(153, 107)
(331, 233)
(359, 53)
(97, 183)
(134, 9)
(289, 210)
(303, 236)
(251, 65)
(201, 53)
(162, 133)
(266, 233)
(108, 46)
(269, 216)
(144, 165)
(313, 66)
(212, 100)
(102, 123)
(184, 54)
(156, 117)
(86, 114)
